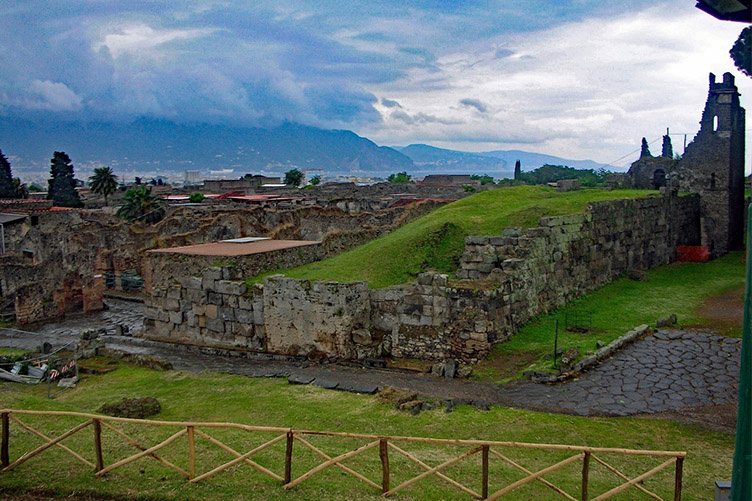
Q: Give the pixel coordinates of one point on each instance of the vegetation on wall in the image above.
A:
(429, 244)
(552, 173)
(140, 204)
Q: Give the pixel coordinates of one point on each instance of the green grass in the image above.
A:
(272, 402)
(436, 240)
(678, 288)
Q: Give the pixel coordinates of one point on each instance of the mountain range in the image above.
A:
(161, 147)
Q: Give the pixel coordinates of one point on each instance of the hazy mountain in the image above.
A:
(429, 159)
(164, 147)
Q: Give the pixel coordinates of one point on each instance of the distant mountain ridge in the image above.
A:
(431, 158)
(161, 147)
(168, 147)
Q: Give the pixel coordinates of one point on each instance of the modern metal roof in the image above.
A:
(11, 218)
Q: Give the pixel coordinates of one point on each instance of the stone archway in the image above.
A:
(659, 178)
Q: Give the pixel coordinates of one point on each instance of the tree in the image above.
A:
(400, 177)
(34, 188)
(484, 179)
(196, 197)
(20, 188)
(7, 190)
(741, 51)
(315, 180)
(62, 185)
(293, 177)
(139, 204)
(517, 170)
(103, 182)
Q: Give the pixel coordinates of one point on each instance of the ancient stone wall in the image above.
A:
(503, 282)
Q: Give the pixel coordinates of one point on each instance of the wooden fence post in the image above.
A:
(98, 444)
(384, 455)
(288, 457)
(5, 458)
(585, 475)
(484, 453)
(191, 453)
(678, 478)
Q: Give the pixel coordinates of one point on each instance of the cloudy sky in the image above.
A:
(577, 79)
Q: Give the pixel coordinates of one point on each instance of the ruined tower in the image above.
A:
(713, 166)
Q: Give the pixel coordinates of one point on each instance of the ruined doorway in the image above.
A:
(659, 178)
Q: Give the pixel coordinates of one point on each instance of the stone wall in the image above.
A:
(567, 256)
(503, 282)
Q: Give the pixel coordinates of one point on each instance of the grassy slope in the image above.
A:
(678, 288)
(436, 240)
(273, 402)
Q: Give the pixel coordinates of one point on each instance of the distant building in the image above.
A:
(192, 177)
(247, 184)
(712, 166)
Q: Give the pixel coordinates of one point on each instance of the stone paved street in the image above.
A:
(667, 371)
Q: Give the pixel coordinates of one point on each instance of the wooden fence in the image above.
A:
(385, 445)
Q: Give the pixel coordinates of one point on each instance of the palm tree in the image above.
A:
(22, 191)
(104, 182)
(139, 204)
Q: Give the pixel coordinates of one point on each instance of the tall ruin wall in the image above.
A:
(503, 282)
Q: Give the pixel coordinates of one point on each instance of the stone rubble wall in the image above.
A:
(503, 282)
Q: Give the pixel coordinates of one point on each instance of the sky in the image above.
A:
(581, 79)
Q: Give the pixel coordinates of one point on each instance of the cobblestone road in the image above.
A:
(667, 371)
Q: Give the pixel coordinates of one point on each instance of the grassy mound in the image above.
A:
(436, 240)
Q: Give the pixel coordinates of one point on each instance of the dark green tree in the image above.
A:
(517, 170)
(139, 204)
(7, 190)
(645, 149)
(196, 197)
(62, 186)
(315, 180)
(400, 177)
(34, 188)
(293, 177)
(741, 51)
(103, 182)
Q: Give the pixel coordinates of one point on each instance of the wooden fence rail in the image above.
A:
(200, 430)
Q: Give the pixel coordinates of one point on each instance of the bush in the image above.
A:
(196, 197)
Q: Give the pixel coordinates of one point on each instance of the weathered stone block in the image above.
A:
(215, 325)
(211, 311)
(190, 282)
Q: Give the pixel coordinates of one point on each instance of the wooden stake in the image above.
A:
(98, 444)
(142, 448)
(585, 475)
(46, 446)
(326, 464)
(623, 487)
(438, 473)
(528, 472)
(288, 457)
(534, 476)
(433, 470)
(4, 455)
(240, 459)
(147, 452)
(384, 456)
(191, 452)
(237, 455)
(484, 453)
(338, 465)
(624, 477)
(678, 479)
